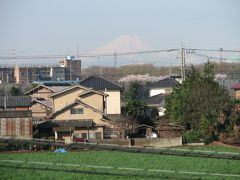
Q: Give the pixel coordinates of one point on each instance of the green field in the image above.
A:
(211, 148)
(114, 165)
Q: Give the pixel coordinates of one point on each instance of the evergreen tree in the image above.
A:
(199, 104)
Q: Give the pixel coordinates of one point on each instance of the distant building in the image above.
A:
(6, 75)
(164, 86)
(69, 70)
(15, 117)
(72, 69)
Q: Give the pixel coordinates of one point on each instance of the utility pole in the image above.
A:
(170, 69)
(183, 63)
(27, 75)
(115, 62)
(100, 66)
(220, 54)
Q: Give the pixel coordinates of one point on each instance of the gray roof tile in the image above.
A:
(167, 82)
(100, 83)
(15, 101)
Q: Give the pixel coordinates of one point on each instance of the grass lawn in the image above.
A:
(118, 162)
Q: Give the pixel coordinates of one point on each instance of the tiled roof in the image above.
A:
(236, 86)
(156, 100)
(68, 123)
(163, 83)
(54, 89)
(59, 83)
(15, 101)
(100, 83)
(58, 88)
(43, 102)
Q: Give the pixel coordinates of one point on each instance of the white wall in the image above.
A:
(113, 102)
(154, 92)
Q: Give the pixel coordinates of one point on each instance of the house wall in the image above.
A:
(113, 102)
(65, 98)
(22, 108)
(94, 100)
(16, 127)
(90, 133)
(87, 114)
(42, 93)
(39, 110)
(156, 91)
(237, 94)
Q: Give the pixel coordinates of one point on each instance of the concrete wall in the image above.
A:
(158, 142)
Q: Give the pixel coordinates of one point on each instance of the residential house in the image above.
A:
(236, 88)
(41, 102)
(112, 89)
(228, 81)
(15, 117)
(80, 112)
(164, 86)
(157, 101)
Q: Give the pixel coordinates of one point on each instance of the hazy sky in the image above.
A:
(57, 26)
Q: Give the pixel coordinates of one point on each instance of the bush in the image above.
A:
(192, 137)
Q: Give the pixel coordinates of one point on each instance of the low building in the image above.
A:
(164, 86)
(169, 130)
(15, 117)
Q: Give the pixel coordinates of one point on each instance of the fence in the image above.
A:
(151, 150)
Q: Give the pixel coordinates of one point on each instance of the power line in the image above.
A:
(89, 55)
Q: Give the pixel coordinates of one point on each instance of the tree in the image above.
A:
(14, 91)
(200, 103)
(134, 105)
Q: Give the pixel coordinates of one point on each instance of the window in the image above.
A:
(77, 111)
(84, 135)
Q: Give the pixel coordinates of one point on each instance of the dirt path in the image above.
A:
(216, 143)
